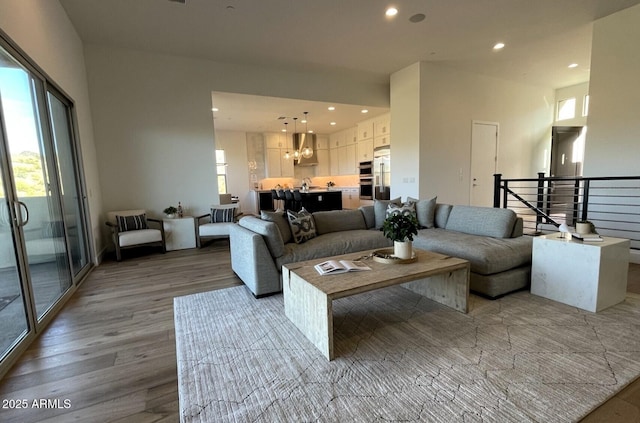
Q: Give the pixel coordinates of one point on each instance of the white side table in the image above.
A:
(179, 233)
(588, 275)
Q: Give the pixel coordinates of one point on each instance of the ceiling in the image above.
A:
(355, 37)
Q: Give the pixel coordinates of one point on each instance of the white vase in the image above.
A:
(583, 228)
(402, 249)
(170, 215)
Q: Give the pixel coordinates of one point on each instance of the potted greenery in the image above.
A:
(400, 228)
(330, 185)
(170, 212)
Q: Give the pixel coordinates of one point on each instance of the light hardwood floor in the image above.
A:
(111, 351)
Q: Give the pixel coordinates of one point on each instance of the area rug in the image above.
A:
(5, 301)
(402, 357)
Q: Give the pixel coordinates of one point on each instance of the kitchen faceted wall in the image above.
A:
(43, 233)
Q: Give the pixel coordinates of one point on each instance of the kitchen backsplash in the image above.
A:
(320, 181)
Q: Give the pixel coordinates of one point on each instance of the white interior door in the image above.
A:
(484, 159)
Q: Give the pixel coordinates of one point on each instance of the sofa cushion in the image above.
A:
(487, 255)
(338, 220)
(303, 227)
(269, 232)
(281, 222)
(425, 211)
(442, 215)
(369, 216)
(333, 244)
(484, 221)
(380, 210)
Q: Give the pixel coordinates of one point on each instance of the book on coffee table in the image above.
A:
(340, 266)
(587, 237)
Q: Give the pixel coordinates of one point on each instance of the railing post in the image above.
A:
(496, 189)
(585, 199)
(540, 198)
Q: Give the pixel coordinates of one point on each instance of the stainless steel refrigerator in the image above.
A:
(382, 173)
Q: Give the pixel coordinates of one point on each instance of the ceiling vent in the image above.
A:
(179, 1)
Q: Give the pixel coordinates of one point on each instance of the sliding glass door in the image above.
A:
(43, 234)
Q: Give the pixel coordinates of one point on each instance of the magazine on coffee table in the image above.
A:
(340, 266)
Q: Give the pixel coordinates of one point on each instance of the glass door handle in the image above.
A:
(19, 206)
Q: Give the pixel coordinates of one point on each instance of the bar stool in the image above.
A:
(288, 199)
(297, 199)
(275, 199)
(283, 199)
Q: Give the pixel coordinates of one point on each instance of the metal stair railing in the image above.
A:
(611, 203)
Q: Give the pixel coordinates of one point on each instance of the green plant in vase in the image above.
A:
(170, 211)
(400, 228)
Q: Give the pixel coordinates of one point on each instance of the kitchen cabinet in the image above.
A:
(365, 151)
(351, 135)
(350, 198)
(322, 142)
(323, 168)
(382, 141)
(365, 130)
(382, 125)
(347, 160)
(275, 140)
(276, 165)
(334, 168)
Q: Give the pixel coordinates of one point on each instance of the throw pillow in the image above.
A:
(408, 208)
(222, 215)
(132, 223)
(302, 225)
(281, 222)
(380, 210)
(425, 211)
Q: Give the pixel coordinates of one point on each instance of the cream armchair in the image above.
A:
(216, 223)
(130, 228)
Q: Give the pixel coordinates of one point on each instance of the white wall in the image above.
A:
(406, 148)
(41, 29)
(234, 145)
(612, 144)
(153, 122)
(449, 101)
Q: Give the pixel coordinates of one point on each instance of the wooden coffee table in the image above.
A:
(308, 296)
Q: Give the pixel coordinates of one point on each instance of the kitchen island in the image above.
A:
(313, 200)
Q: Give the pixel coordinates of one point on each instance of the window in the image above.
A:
(221, 166)
(585, 106)
(567, 109)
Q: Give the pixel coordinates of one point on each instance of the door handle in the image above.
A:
(19, 205)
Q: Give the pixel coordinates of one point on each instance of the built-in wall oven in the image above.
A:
(366, 180)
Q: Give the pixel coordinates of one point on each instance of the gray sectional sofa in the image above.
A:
(490, 238)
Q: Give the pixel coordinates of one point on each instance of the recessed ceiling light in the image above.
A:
(364, 111)
(215, 109)
(332, 124)
(331, 108)
(303, 121)
(391, 11)
(573, 65)
(418, 17)
(498, 46)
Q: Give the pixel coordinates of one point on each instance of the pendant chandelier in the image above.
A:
(307, 152)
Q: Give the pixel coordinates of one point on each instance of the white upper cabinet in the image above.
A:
(365, 130)
(382, 125)
(278, 140)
